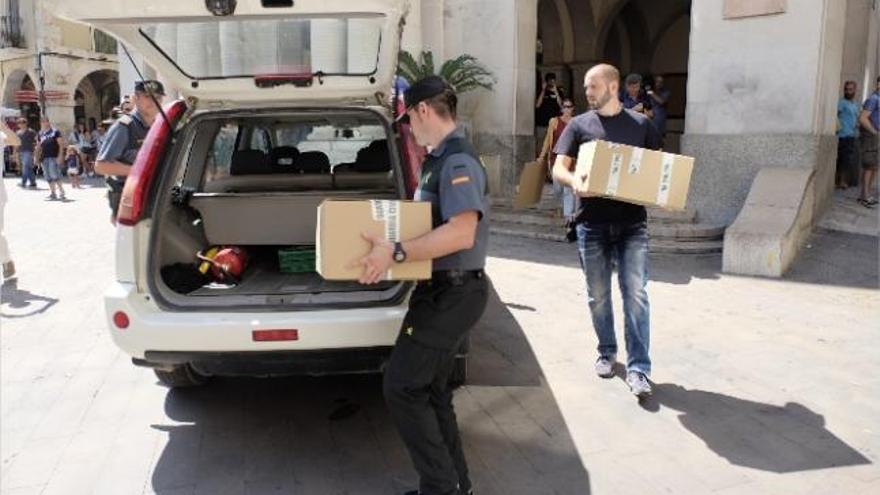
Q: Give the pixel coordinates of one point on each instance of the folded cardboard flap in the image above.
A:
(340, 244)
(635, 175)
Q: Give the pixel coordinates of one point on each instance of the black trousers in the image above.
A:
(416, 381)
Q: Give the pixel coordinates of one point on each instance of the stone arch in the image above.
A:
(557, 31)
(15, 81)
(99, 90)
(628, 21)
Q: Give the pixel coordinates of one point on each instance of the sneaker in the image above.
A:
(8, 270)
(638, 384)
(52, 197)
(63, 197)
(605, 366)
(866, 203)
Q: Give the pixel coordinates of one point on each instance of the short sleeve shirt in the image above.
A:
(49, 143)
(462, 187)
(28, 139)
(848, 115)
(627, 127)
(116, 146)
(872, 105)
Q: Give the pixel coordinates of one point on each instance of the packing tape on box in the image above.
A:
(635, 161)
(388, 212)
(614, 175)
(665, 179)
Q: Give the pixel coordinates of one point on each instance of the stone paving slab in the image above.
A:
(763, 386)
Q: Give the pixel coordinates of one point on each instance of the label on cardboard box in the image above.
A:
(339, 244)
(651, 177)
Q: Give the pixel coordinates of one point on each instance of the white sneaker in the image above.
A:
(605, 366)
(638, 384)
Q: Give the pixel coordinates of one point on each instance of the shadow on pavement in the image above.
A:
(667, 268)
(762, 436)
(332, 435)
(838, 258)
(19, 303)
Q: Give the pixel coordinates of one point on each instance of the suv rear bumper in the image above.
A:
(273, 363)
(153, 329)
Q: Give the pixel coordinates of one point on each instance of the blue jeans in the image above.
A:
(601, 246)
(51, 170)
(27, 168)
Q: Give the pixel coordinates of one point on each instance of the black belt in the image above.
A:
(456, 277)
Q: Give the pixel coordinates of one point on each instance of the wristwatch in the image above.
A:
(399, 253)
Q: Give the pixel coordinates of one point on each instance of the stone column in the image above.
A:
(501, 34)
(751, 106)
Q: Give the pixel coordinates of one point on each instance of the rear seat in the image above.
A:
(284, 168)
(371, 168)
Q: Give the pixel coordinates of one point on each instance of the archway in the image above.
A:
(17, 81)
(95, 96)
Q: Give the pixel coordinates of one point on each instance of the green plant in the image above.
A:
(464, 73)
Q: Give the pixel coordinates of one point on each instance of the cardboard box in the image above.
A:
(339, 242)
(635, 175)
(531, 185)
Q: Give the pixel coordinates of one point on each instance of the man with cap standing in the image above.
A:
(443, 309)
(124, 139)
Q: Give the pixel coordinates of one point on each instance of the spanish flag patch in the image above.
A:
(461, 180)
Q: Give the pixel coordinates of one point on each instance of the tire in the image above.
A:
(181, 376)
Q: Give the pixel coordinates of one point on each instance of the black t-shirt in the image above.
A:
(28, 139)
(49, 143)
(627, 127)
(549, 107)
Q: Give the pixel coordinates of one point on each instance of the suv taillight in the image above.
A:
(137, 185)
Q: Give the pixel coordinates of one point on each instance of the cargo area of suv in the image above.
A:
(254, 180)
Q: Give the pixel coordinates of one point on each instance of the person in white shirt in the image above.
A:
(7, 137)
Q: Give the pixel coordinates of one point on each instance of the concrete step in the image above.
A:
(662, 238)
(660, 230)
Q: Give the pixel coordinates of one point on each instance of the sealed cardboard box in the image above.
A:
(635, 175)
(531, 185)
(339, 242)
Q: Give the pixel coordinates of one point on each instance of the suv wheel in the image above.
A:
(181, 376)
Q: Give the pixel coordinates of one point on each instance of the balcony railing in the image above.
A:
(104, 43)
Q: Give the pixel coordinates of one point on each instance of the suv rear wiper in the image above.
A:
(300, 79)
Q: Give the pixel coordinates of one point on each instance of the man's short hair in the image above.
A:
(607, 71)
(633, 79)
(550, 75)
(849, 82)
(445, 103)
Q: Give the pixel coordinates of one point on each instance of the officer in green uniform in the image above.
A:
(443, 309)
(124, 139)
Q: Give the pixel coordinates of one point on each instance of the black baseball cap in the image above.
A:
(420, 91)
(150, 86)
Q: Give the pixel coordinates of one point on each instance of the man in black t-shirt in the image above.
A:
(610, 230)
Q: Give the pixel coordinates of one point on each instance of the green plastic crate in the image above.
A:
(297, 259)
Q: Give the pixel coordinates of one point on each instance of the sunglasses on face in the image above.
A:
(567, 106)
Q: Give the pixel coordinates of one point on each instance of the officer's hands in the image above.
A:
(378, 261)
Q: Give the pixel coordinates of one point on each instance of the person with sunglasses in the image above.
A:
(554, 130)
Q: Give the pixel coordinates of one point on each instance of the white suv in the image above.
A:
(285, 104)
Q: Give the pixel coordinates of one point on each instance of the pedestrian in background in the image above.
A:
(659, 99)
(870, 140)
(28, 141)
(51, 154)
(633, 98)
(847, 133)
(554, 131)
(547, 106)
(73, 164)
(7, 137)
(612, 232)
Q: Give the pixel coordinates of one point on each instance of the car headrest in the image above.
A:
(249, 162)
(283, 159)
(313, 162)
(373, 158)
